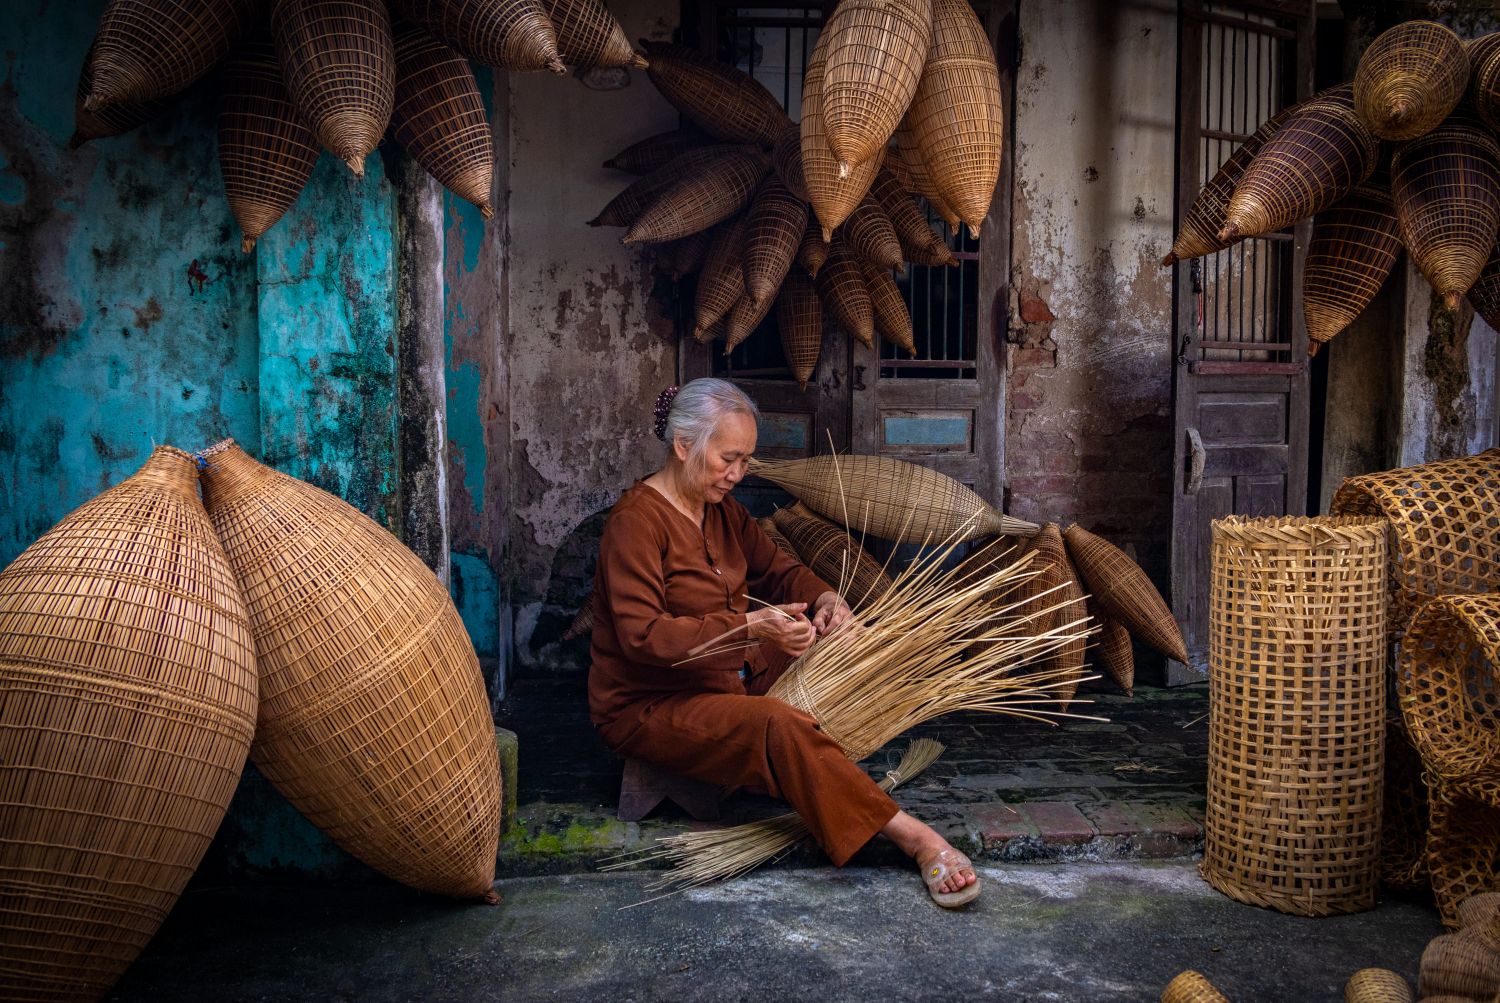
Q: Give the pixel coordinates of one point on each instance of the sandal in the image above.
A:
(938, 868)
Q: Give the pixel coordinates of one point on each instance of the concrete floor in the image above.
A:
(1076, 931)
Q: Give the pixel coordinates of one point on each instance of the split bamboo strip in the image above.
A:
(1484, 294)
(870, 236)
(1410, 78)
(439, 116)
(833, 555)
(1484, 78)
(786, 161)
(743, 318)
(832, 192)
(873, 55)
(1354, 248)
(919, 242)
(773, 230)
(812, 253)
(1125, 592)
(841, 287)
(718, 190)
(113, 119)
(909, 157)
(888, 307)
(1377, 985)
(625, 208)
(799, 318)
(1446, 682)
(656, 151)
(1192, 987)
(722, 281)
(127, 707)
(506, 34)
(768, 526)
(588, 35)
(723, 101)
(150, 49)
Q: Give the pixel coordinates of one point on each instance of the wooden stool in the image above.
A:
(644, 786)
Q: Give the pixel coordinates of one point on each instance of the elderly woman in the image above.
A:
(677, 565)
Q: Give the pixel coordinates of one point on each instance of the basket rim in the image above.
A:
(1306, 530)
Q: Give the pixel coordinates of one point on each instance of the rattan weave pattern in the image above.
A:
(833, 555)
(1354, 247)
(148, 49)
(812, 252)
(439, 116)
(833, 193)
(1377, 985)
(1446, 679)
(1478, 910)
(1125, 592)
(799, 318)
(1484, 78)
(1112, 653)
(656, 151)
(588, 35)
(743, 318)
(873, 60)
(773, 229)
(127, 707)
(1192, 987)
(507, 34)
(768, 526)
(1410, 78)
(871, 237)
(625, 208)
(1296, 712)
(908, 155)
(841, 287)
(685, 256)
(111, 120)
(919, 242)
(786, 161)
(723, 101)
(1463, 843)
(374, 720)
(1458, 966)
(718, 190)
(1484, 294)
(888, 307)
(722, 280)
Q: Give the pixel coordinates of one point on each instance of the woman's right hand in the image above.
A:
(783, 627)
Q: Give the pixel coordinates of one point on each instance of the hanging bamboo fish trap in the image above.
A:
(127, 707)
(1191, 987)
(723, 101)
(833, 555)
(373, 716)
(1113, 654)
(841, 287)
(1410, 78)
(786, 161)
(439, 117)
(833, 193)
(1066, 663)
(1446, 187)
(656, 151)
(896, 165)
(1377, 985)
(812, 252)
(870, 236)
(773, 229)
(1460, 967)
(874, 52)
(1484, 78)
(1484, 294)
(583, 621)
(266, 152)
(909, 156)
(722, 281)
(920, 244)
(799, 318)
(743, 318)
(625, 208)
(687, 254)
(340, 67)
(588, 35)
(150, 49)
(1462, 852)
(1446, 680)
(1125, 592)
(721, 188)
(889, 498)
(768, 526)
(1354, 248)
(888, 308)
(957, 117)
(111, 120)
(506, 34)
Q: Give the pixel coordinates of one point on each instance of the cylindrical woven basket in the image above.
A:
(841, 287)
(1410, 78)
(1460, 967)
(148, 49)
(743, 318)
(1447, 683)
(799, 318)
(340, 67)
(723, 101)
(833, 192)
(957, 117)
(1354, 247)
(1125, 592)
(718, 190)
(127, 707)
(773, 229)
(919, 242)
(812, 253)
(833, 555)
(266, 151)
(786, 161)
(508, 34)
(1192, 987)
(588, 35)
(722, 281)
(1446, 188)
(373, 716)
(1404, 814)
(625, 208)
(111, 120)
(656, 151)
(439, 116)
(1377, 985)
(1296, 712)
(892, 321)
(873, 58)
(768, 526)
(907, 158)
(871, 237)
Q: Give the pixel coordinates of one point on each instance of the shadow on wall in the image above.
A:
(540, 647)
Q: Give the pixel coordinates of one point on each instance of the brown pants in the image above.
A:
(759, 741)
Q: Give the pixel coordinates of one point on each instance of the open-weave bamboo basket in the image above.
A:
(812, 253)
(340, 67)
(1458, 967)
(722, 281)
(1484, 78)
(1125, 592)
(111, 120)
(892, 321)
(266, 152)
(1354, 247)
(833, 555)
(1446, 678)
(743, 318)
(1410, 78)
(127, 706)
(919, 242)
(721, 100)
(373, 716)
(508, 34)
(799, 318)
(149, 49)
(908, 156)
(871, 237)
(588, 35)
(768, 526)
(1446, 187)
(841, 287)
(1484, 294)
(625, 208)
(1377, 985)
(1113, 654)
(439, 116)
(718, 190)
(1404, 814)
(773, 229)
(786, 161)
(656, 151)
(833, 192)
(957, 117)
(1463, 843)
(1296, 712)
(873, 58)
(1192, 987)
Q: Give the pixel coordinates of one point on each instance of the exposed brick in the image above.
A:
(996, 822)
(1058, 822)
(1130, 818)
(1034, 358)
(1034, 309)
(1023, 401)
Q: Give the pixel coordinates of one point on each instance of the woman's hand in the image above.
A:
(830, 613)
(783, 627)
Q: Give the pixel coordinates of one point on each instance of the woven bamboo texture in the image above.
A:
(812, 252)
(1446, 678)
(1354, 248)
(1484, 78)
(127, 707)
(908, 159)
(625, 208)
(149, 49)
(768, 526)
(722, 281)
(588, 35)
(1484, 294)
(799, 319)
(1446, 187)
(786, 161)
(656, 151)
(892, 499)
(1070, 604)
(1317, 157)
(266, 152)
(871, 237)
(508, 34)
(1457, 966)
(957, 115)
(834, 193)
(373, 716)
(340, 67)
(1113, 654)
(919, 242)
(743, 318)
(1404, 814)
(773, 230)
(439, 116)
(111, 120)
(1125, 592)
(841, 287)
(1410, 78)
(888, 307)
(1296, 712)
(1377, 985)
(833, 555)
(1192, 987)
(1478, 910)
(1463, 844)
(718, 190)
(687, 254)
(721, 100)
(583, 620)
(874, 55)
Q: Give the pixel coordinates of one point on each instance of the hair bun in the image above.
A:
(663, 408)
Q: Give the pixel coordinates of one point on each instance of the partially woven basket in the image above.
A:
(656, 151)
(873, 52)
(373, 716)
(1354, 248)
(439, 117)
(1377, 985)
(111, 120)
(1124, 591)
(1192, 987)
(833, 555)
(507, 34)
(718, 190)
(149, 49)
(722, 281)
(127, 706)
(841, 287)
(871, 237)
(799, 318)
(1410, 78)
(773, 230)
(833, 192)
(588, 35)
(1446, 678)
(1296, 712)
(919, 242)
(888, 307)
(723, 101)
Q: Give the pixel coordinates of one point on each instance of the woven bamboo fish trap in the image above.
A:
(583, 621)
(1125, 592)
(909, 157)
(1377, 985)
(773, 230)
(892, 499)
(588, 35)
(768, 526)
(373, 716)
(1192, 987)
(841, 287)
(266, 152)
(1446, 679)
(127, 707)
(1446, 187)
(786, 161)
(149, 49)
(1113, 654)
(720, 188)
(743, 318)
(340, 66)
(625, 208)
(507, 34)
(1404, 814)
(874, 54)
(1477, 910)
(834, 194)
(1410, 79)
(888, 307)
(919, 242)
(723, 101)
(1354, 248)
(1296, 712)
(957, 116)
(1457, 966)
(439, 117)
(111, 120)
(1484, 78)
(870, 236)
(1463, 844)
(799, 319)
(1317, 157)
(722, 281)
(812, 252)
(833, 555)
(686, 255)
(1484, 294)
(656, 151)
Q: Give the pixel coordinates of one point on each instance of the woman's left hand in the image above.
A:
(829, 613)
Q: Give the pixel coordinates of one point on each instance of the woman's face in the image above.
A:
(727, 458)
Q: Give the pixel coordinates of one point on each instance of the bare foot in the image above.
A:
(920, 842)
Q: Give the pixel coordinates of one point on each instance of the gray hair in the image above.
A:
(697, 410)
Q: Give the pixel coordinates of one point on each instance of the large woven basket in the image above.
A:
(340, 66)
(508, 34)
(625, 208)
(1447, 681)
(1463, 843)
(907, 159)
(1296, 712)
(1112, 652)
(957, 116)
(1125, 592)
(768, 526)
(719, 189)
(743, 318)
(723, 101)
(919, 242)
(266, 151)
(127, 706)
(874, 52)
(833, 192)
(111, 120)
(1377, 985)
(888, 307)
(841, 287)
(1410, 78)
(722, 281)
(1354, 247)
(148, 49)
(812, 253)
(799, 318)
(1446, 187)
(833, 555)
(871, 237)
(656, 151)
(1484, 294)
(786, 161)
(439, 116)
(373, 715)
(588, 35)
(773, 229)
